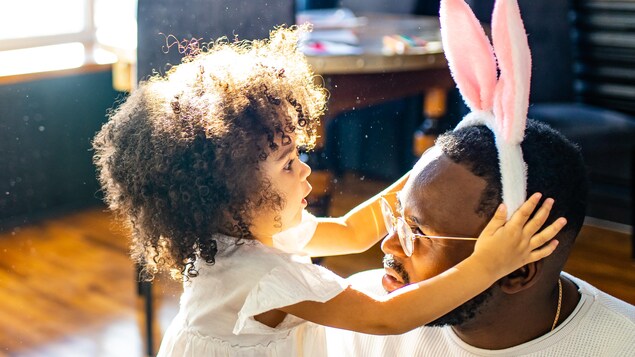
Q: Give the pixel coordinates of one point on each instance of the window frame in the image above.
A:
(87, 36)
(123, 68)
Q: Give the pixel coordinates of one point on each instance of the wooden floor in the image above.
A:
(67, 286)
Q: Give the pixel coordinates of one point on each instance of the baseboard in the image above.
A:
(609, 225)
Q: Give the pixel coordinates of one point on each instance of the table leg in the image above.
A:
(144, 290)
(434, 107)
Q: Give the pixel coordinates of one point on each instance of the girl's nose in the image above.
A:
(391, 245)
(305, 169)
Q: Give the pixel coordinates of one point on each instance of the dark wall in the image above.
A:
(46, 127)
(548, 27)
(203, 20)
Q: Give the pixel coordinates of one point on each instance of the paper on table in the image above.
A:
(338, 36)
(327, 48)
(330, 42)
(330, 18)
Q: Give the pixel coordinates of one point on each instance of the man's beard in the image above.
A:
(459, 316)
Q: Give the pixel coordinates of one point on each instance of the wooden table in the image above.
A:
(373, 77)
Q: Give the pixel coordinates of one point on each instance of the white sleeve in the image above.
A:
(283, 286)
(293, 240)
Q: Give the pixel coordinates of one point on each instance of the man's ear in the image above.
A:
(522, 278)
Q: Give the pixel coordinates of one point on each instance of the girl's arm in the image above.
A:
(356, 231)
(500, 249)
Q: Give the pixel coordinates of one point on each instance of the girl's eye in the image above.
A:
(288, 165)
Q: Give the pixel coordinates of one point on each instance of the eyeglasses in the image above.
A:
(404, 232)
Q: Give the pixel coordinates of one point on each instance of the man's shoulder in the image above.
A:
(599, 320)
(600, 325)
(604, 303)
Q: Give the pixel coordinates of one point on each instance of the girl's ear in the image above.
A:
(511, 98)
(469, 53)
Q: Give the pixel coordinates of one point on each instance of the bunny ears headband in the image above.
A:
(499, 102)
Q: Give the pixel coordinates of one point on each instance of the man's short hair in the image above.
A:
(555, 168)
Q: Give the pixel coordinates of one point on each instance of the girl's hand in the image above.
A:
(505, 247)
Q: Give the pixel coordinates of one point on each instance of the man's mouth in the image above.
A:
(390, 281)
(395, 277)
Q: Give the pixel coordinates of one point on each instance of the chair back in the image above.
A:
(549, 34)
(604, 57)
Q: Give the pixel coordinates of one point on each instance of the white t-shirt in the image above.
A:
(217, 307)
(600, 325)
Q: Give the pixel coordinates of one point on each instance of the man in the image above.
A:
(452, 191)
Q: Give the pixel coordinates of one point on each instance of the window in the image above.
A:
(46, 35)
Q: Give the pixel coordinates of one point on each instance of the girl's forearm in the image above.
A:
(430, 299)
(404, 309)
(354, 232)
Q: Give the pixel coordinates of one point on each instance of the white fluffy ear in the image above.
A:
(469, 53)
(511, 98)
(513, 175)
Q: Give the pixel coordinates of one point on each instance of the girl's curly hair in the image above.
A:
(179, 159)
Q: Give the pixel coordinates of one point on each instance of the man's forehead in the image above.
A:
(428, 156)
(416, 174)
(439, 191)
(422, 173)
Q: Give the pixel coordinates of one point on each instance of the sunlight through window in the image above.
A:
(116, 23)
(30, 18)
(46, 35)
(41, 59)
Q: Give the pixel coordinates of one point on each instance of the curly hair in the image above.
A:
(179, 160)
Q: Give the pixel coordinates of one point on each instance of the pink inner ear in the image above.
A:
(469, 53)
(514, 60)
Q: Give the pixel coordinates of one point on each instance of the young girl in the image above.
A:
(203, 166)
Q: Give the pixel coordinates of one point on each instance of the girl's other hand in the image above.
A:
(507, 246)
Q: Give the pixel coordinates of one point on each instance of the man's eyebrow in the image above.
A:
(413, 219)
(284, 153)
(399, 208)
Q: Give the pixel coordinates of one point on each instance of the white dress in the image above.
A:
(217, 307)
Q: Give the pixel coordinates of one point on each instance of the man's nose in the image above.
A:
(391, 245)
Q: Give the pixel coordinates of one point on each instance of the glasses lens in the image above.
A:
(405, 238)
(387, 213)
